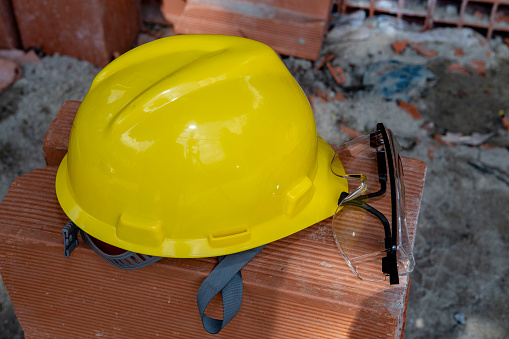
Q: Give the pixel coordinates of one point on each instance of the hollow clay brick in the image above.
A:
(8, 31)
(297, 287)
(88, 30)
(290, 27)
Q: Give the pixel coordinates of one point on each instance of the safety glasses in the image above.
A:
(374, 244)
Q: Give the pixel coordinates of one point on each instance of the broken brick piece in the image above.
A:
(479, 15)
(9, 73)
(439, 138)
(399, 46)
(457, 69)
(479, 66)
(410, 109)
(337, 74)
(339, 97)
(506, 41)
(323, 60)
(420, 49)
(458, 52)
(431, 156)
(505, 123)
(8, 31)
(321, 94)
(88, 30)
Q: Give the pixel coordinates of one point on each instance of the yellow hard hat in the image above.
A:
(196, 146)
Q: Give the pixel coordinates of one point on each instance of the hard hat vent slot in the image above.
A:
(228, 237)
(139, 230)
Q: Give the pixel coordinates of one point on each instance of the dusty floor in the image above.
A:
(459, 287)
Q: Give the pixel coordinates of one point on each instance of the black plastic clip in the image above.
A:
(70, 232)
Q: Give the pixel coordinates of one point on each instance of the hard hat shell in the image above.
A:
(196, 146)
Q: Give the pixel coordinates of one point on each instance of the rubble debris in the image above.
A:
(472, 140)
(460, 318)
(395, 80)
(410, 109)
(339, 97)
(337, 74)
(323, 60)
(505, 122)
(457, 69)
(458, 52)
(399, 46)
(431, 155)
(438, 138)
(479, 66)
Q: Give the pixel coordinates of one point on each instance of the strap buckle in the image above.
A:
(70, 232)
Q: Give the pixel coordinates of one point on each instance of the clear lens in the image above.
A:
(360, 238)
(351, 152)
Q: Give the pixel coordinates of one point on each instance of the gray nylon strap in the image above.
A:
(224, 278)
(126, 261)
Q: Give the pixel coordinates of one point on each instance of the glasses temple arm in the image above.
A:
(382, 176)
(389, 263)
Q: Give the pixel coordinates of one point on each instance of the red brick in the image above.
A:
(88, 30)
(82, 296)
(56, 138)
(8, 31)
(290, 27)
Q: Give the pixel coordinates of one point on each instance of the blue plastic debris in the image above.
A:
(394, 80)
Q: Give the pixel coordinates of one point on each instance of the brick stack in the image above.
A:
(297, 287)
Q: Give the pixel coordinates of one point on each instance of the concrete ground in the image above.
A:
(459, 286)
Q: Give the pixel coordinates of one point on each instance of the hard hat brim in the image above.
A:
(326, 189)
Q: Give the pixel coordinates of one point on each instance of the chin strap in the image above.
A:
(224, 278)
